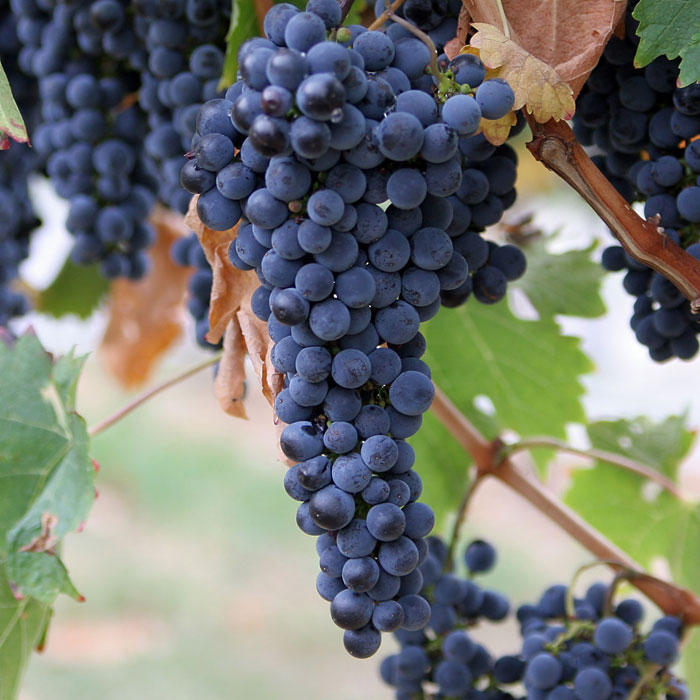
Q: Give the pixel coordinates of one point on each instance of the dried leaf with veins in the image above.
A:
(230, 312)
(568, 35)
(537, 87)
(145, 316)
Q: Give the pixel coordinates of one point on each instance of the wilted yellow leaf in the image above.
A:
(537, 86)
(568, 35)
(497, 131)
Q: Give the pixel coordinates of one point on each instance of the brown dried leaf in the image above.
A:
(497, 131)
(146, 315)
(230, 311)
(259, 346)
(537, 86)
(568, 35)
(453, 46)
(229, 386)
(273, 378)
(231, 285)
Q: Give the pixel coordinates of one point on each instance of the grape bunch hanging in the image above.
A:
(322, 127)
(645, 131)
(587, 648)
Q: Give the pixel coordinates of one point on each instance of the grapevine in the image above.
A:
(326, 190)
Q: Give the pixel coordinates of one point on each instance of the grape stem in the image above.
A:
(555, 145)
(423, 37)
(609, 457)
(149, 394)
(385, 15)
(571, 589)
(487, 456)
(641, 684)
(460, 518)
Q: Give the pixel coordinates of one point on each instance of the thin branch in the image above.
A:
(460, 518)
(609, 457)
(463, 431)
(345, 7)
(672, 599)
(150, 393)
(434, 67)
(571, 588)
(385, 15)
(555, 145)
(567, 519)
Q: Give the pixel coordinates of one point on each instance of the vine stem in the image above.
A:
(461, 517)
(555, 145)
(571, 589)
(647, 676)
(486, 455)
(385, 15)
(617, 460)
(434, 67)
(149, 394)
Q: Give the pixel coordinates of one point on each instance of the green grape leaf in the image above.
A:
(12, 125)
(647, 523)
(529, 371)
(77, 289)
(22, 623)
(566, 283)
(670, 28)
(46, 491)
(444, 467)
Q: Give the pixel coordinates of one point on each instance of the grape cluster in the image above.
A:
(598, 653)
(662, 320)
(445, 656)
(323, 126)
(90, 136)
(645, 125)
(188, 252)
(109, 73)
(594, 651)
(181, 69)
(17, 216)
